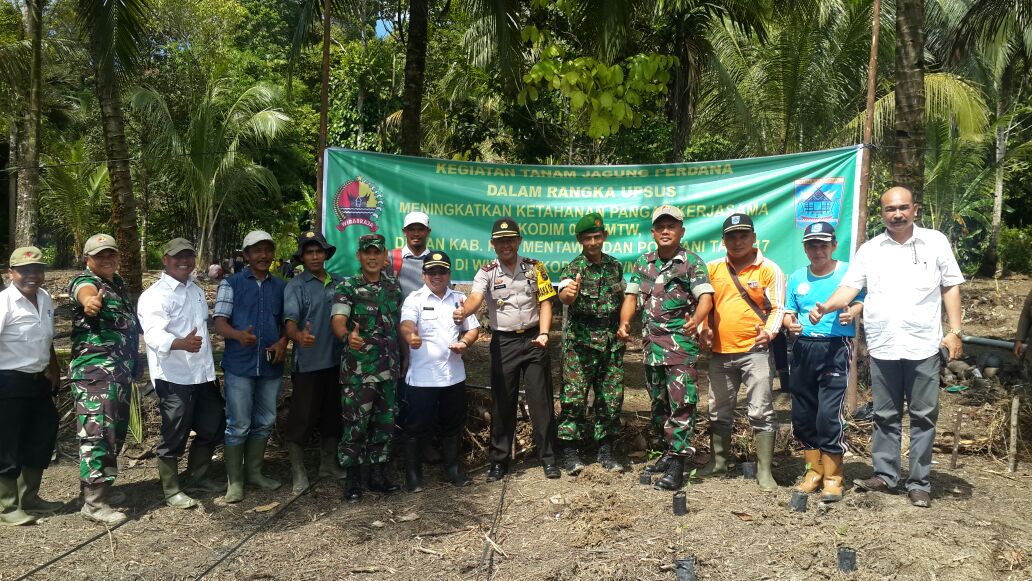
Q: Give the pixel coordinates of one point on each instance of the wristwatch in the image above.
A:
(956, 332)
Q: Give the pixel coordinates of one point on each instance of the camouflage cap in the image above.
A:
(98, 242)
(26, 255)
(589, 223)
(372, 241)
(177, 245)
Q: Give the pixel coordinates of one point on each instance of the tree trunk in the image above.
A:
(12, 181)
(683, 92)
(324, 112)
(908, 161)
(123, 204)
(415, 66)
(28, 176)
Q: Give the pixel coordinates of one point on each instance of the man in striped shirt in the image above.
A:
(748, 309)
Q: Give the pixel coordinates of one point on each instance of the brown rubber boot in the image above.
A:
(832, 478)
(814, 477)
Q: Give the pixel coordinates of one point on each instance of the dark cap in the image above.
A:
(313, 237)
(372, 241)
(436, 258)
(819, 231)
(736, 222)
(589, 223)
(177, 245)
(504, 228)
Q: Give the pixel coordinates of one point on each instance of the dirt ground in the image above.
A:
(596, 526)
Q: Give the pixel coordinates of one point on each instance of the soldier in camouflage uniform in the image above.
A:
(592, 286)
(105, 360)
(366, 310)
(672, 287)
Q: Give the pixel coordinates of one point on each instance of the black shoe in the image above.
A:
(378, 481)
(552, 471)
(673, 478)
(413, 466)
(661, 465)
(497, 471)
(572, 462)
(353, 486)
(607, 459)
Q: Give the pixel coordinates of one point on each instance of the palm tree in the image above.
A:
(27, 214)
(215, 157)
(114, 31)
(74, 192)
(415, 66)
(908, 161)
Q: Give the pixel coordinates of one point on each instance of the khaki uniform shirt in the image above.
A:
(512, 297)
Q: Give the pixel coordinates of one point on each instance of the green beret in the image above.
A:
(590, 223)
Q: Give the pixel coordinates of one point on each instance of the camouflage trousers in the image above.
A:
(672, 390)
(102, 417)
(368, 412)
(586, 369)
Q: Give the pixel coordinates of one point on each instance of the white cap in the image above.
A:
(255, 236)
(416, 218)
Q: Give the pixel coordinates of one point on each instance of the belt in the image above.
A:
(821, 339)
(589, 320)
(38, 376)
(520, 332)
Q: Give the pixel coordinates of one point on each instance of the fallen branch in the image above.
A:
(495, 546)
(429, 551)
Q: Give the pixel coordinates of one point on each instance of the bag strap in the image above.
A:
(396, 261)
(761, 313)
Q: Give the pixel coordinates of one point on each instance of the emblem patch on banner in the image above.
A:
(358, 202)
(818, 200)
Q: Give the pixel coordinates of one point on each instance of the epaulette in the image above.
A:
(489, 266)
(529, 260)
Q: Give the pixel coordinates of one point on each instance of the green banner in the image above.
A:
(373, 191)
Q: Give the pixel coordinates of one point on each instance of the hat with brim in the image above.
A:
(372, 241)
(738, 222)
(98, 243)
(313, 237)
(667, 210)
(819, 231)
(434, 259)
(177, 245)
(505, 228)
(416, 218)
(25, 256)
(255, 236)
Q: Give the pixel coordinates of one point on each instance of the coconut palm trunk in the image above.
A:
(908, 159)
(27, 212)
(415, 66)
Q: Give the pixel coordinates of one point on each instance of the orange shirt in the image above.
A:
(734, 321)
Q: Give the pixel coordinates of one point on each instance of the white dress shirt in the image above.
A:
(433, 364)
(904, 282)
(169, 310)
(26, 332)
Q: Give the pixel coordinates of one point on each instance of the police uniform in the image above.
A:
(513, 298)
(592, 355)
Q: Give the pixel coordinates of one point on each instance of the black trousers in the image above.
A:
(185, 408)
(436, 406)
(820, 371)
(28, 423)
(512, 357)
(314, 403)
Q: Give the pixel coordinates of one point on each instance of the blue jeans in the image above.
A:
(250, 407)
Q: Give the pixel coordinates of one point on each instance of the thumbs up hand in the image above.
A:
(459, 315)
(354, 339)
(415, 341)
(307, 339)
(763, 337)
(191, 343)
(574, 287)
(247, 338)
(94, 304)
(816, 314)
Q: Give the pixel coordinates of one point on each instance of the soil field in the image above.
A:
(596, 526)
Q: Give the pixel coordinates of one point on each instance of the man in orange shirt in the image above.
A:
(748, 309)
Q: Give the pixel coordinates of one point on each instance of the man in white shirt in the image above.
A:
(174, 316)
(436, 375)
(28, 378)
(910, 273)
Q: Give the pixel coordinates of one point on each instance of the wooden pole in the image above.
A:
(324, 108)
(1012, 450)
(860, 233)
(956, 440)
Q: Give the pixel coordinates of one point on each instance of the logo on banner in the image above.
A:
(358, 202)
(818, 200)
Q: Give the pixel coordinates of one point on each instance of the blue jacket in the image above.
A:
(259, 306)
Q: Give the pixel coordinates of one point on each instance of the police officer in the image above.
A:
(517, 292)
(672, 288)
(105, 360)
(365, 314)
(592, 286)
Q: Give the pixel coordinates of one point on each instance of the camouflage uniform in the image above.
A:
(105, 357)
(368, 376)
(668, 293)
(592, 355)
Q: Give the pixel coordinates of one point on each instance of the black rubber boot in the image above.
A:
(673, 478)
(451, 450)
(378, 480)
(413, 466)
(661, 465)
(353, 485)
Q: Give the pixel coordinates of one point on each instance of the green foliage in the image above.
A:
(1014, 249)
(74, 194)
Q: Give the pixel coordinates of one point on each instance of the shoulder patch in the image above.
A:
(529, 260)
(489, 266)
